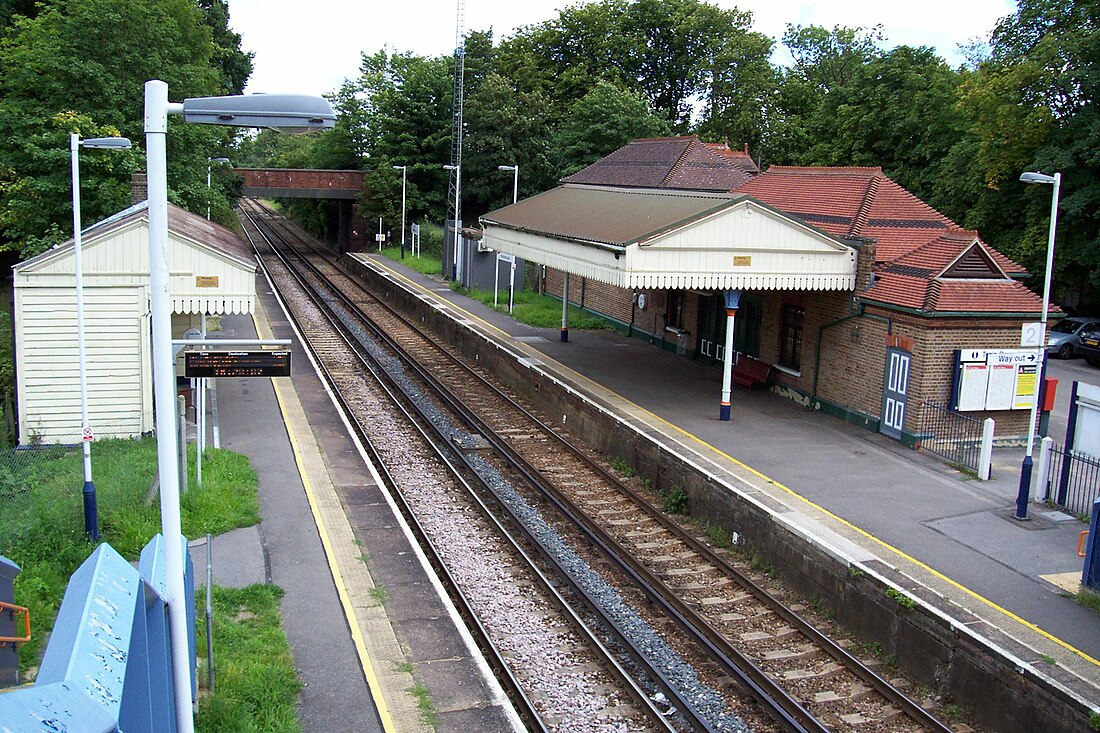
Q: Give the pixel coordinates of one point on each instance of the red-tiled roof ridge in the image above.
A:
(864, 214)
(667, 139)
(828, 170)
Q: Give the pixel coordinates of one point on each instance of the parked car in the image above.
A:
(1064, 340)
(1090, 345)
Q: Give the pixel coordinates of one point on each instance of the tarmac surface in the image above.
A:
(953, 533)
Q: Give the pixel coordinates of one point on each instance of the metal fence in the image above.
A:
(951, 435)
(1073, 481)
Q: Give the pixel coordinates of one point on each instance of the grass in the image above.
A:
(425, 264)
(1090, 599)
(255, 685)
(41, 515)
(540, 311)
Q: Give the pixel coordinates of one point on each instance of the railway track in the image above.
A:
(754, 662)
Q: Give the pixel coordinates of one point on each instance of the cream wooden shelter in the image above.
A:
(212, 272)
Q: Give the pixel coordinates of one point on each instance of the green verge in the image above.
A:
(540, 311)
(255, 685)
(425, 264)
(42, 525)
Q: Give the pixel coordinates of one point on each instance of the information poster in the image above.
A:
(1003, 379)
(1026, 384)
(974, 380)
(1002, 388)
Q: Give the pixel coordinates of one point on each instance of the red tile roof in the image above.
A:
(670, 163)
(915, 245)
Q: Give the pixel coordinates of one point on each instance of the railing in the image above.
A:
(1072, 482)
(951, 435)
(14, 610)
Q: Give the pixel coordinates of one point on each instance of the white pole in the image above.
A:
(1043, 480)
(91, 520)
(208, 189)
(200, 415)
(157, 108)
(727, 367)
(511, 284)
(515, 184)
(496, 277)
(985, 457)
(404, 171)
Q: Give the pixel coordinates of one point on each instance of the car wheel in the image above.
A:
(1065, 351)
(1093, 360)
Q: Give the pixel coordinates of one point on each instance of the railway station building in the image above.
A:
(851, 295)
(211, 272)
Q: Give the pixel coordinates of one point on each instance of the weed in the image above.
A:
(676, 501)
(854, 573)
(820, 608)
(1089, 599)
(364, 557)
(406, 667)
(424, 704)
(379, 594)
(646, 483)
(759, 565)
(1047, 659)
(868, 649)
(622, 467)
(1094, 720)
(901, 598)
(357, 542)
(950, 711)
(718, 537)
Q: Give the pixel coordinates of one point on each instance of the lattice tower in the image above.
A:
(454, 192)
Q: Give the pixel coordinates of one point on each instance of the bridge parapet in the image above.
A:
(301, 183)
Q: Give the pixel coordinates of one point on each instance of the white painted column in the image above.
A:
(727, 366)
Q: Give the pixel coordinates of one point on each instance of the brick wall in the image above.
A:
(852, 362)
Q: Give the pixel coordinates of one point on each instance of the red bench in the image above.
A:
(749, 372)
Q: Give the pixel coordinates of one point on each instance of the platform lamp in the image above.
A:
(458, 214)
(515, 179)
(286, 112)
(1025, 470)
(91, 512)
(209, 161)
(404, 171)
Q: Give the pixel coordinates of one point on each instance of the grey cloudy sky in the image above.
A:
(312, 47)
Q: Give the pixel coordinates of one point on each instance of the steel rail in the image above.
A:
(393, 392)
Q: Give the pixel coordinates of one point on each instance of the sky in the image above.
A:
(312, 47)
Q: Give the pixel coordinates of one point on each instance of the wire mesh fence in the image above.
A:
(950, 434)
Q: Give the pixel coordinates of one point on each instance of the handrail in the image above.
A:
(17, 610)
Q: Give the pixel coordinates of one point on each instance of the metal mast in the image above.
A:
(454, 185)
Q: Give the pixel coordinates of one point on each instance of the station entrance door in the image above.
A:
(711, 343)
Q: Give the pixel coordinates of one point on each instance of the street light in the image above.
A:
(458, 214)
(1025, 469)
(208, 162)
(91, 512)
(402, 168)
(515, 179)
(291, 113)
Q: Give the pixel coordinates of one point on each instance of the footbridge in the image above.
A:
(341, 185)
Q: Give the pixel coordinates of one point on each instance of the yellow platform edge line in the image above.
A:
(882, 543)
(337, 577)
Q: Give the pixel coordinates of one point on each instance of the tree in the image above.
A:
(602, 121)
(80, 66)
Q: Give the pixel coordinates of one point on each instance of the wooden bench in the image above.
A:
(749, 372)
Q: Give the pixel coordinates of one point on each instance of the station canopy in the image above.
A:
(653, 239)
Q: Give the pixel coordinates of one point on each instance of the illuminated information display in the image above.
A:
(237, 364)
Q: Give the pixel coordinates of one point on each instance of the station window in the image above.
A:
(790, 337)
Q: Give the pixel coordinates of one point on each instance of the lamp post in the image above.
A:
(515, 179)
(458, 214)
(1024, 492)
(208, 162)
(295, 113)
(91, 512)
(403, 170)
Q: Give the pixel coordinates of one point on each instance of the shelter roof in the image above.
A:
(605, 215)
(670, 163)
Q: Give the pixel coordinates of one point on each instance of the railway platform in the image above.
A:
(948, 531)
(372, 637)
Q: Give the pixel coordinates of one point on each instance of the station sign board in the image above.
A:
(260, 363)
(996, 379)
